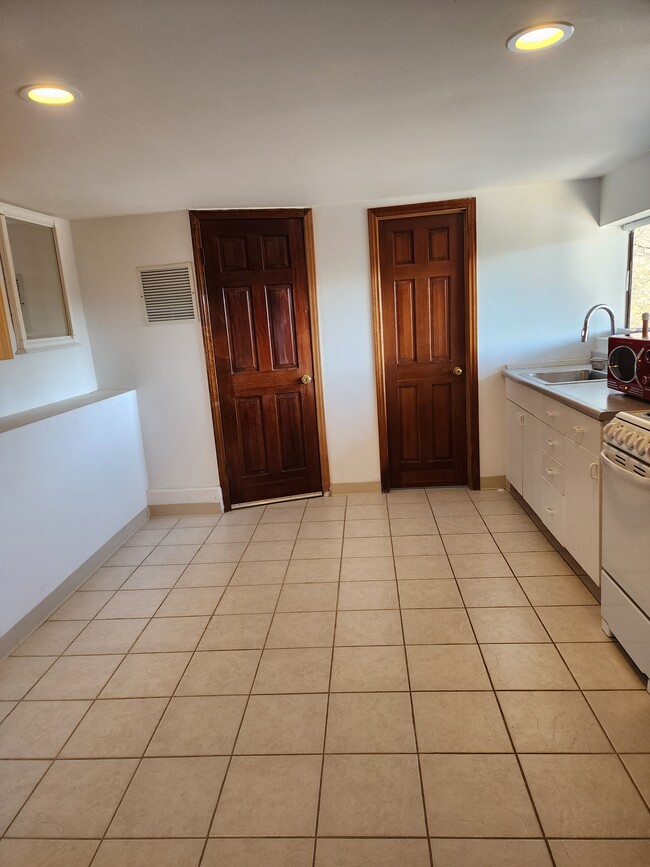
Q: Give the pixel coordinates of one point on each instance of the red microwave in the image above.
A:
(628, 365)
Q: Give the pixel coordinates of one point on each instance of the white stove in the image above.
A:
(625, 598)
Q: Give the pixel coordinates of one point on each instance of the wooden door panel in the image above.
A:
(259, 314)
(275, 251)
(292, 431)
(403, 248)
(409, 424)
(252, 434)
(405, 320)
(240, 328)
(439, 322)
(442, 422)
(439, 244)
(233, 254)
(281, 326)
(422, 285)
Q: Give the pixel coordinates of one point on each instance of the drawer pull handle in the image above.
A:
(549, 510)
(551, 442)
(551, 472)
(522, 418)
(594, 470)
(578, 429)
(551, 413)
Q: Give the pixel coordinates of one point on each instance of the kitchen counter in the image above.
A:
(592, 397)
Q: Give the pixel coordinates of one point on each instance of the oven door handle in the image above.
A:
(640, 481)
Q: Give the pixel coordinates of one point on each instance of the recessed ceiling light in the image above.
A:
(49, 94)
(540, 36)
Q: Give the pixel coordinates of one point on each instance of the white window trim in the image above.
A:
(23, 343)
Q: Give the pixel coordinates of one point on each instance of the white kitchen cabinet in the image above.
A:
(582, 516)
(552, 460)
(515, 444)
(524, 436)
(552, 510)
(531, 488)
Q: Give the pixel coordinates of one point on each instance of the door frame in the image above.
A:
(467, 208)
(304, 214)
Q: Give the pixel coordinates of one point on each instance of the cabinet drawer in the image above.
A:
(583, 430)
(554, 413)
(527, 398)
(553, 472)
(552, 510)
(553, 443)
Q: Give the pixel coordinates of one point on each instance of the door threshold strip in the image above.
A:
(278, 500)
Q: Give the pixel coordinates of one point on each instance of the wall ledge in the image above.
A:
(49, 410)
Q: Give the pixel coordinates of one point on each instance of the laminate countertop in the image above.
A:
(592, 397)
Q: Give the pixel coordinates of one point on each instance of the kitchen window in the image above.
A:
(33, 280)
(638, 283)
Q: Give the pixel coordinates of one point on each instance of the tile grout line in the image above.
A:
(248, 697)
(507, 729)
(410, 694)
(329, 693)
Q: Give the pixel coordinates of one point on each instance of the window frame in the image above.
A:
(628, 277)
(23, 343)
(631, 228)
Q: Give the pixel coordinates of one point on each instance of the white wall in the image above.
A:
(164, 362)
(345, 314)
(626, 192)
(542, 261)
(69, 483)
(38, 378)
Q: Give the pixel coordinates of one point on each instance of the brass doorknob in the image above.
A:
(306, 379)
(457, 371)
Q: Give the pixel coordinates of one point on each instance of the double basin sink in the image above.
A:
(557, 377)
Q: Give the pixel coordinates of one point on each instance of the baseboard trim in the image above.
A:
(489, 483)
(173, 496)
(355, 487)
(33, 619)
(161, 510)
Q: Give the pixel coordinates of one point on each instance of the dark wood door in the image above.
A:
(422, 283)
(255, 275)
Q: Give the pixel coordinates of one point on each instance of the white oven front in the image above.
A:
(625, 583)
(626, 525)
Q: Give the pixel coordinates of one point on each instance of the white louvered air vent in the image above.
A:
(168, 293)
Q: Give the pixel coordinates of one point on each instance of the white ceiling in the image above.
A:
(242, 103)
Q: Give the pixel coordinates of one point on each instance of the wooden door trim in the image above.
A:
(466, 207)
(304, 214)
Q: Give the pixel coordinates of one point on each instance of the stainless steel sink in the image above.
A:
(566, 376)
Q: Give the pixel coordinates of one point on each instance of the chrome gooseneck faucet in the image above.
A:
(585, 328)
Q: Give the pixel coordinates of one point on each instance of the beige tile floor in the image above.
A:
(369, 681)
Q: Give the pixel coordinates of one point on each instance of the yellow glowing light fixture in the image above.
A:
(540, 36)
(49, 94)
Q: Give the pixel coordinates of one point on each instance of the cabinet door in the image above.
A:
(515, 418)
(532, 456)
(582, 512)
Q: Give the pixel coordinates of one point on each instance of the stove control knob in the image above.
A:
(630, 440)
(620, 435)
(642, 446)
(610, 429)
